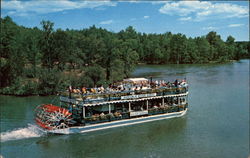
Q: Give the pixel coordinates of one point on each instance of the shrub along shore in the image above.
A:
(44, 61)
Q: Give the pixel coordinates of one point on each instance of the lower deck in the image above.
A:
(119, 123)
(95, 114)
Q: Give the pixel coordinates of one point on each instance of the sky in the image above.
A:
(192, 18)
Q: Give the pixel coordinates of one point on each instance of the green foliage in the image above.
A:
(96, 74)
(46, 45)
(204, 49)
(50, 81)
(86, 81)
(44, 61)
(20, 87)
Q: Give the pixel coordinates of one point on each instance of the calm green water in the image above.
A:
(216, 125)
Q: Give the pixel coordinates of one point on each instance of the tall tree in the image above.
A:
(12, 54)
(231, 47)
(178, 47)
(46, 44)
(203, 49)
(32, 49)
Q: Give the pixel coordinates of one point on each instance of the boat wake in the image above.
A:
(31, 131)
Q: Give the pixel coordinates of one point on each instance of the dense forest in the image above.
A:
(44, 61)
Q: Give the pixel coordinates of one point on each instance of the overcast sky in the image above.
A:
(192, 18)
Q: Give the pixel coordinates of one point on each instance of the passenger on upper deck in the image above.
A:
(84, 90)
(129, 86)
(176, 83)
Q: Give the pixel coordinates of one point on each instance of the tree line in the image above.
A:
(45, 61)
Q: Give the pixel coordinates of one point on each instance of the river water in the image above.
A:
(216, 125)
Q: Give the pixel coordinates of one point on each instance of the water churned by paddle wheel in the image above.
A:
(51, 117)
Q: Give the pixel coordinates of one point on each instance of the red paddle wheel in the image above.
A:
(51, 117)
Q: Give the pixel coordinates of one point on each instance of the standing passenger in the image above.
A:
(176, 82)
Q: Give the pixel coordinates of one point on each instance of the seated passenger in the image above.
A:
(75, 91)
(102, 89)
(84, 90)
(92, 90)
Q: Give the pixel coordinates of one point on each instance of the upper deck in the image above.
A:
(127, 90)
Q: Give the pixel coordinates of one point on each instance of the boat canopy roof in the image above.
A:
(135, 80)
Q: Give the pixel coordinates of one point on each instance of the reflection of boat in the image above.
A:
(132, 101)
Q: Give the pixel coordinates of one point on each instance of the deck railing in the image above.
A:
(112, 96)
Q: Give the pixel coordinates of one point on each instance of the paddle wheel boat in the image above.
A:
(132, 101)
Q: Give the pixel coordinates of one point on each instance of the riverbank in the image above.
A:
(51, 84)
(209, 62)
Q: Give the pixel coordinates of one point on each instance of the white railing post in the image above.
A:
(147, 104)
(83, 112)
(109, 109)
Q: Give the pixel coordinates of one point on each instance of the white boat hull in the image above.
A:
(118, 123)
